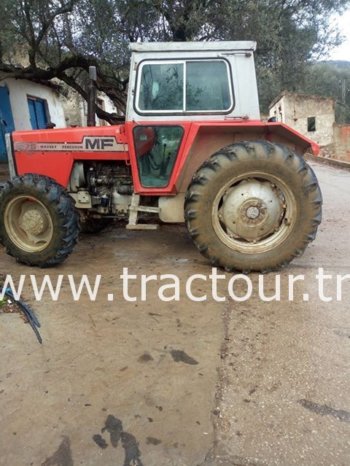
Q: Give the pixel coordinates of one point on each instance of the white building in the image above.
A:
(26, 105)
(312, 116)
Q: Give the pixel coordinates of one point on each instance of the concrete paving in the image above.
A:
(182, 383)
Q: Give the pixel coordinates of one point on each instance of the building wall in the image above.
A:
(342, 142)
(19, 91)
(278, 110)
(295, 109)
(75, 108)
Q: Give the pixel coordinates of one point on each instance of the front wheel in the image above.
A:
(253, 206)
(39, 224)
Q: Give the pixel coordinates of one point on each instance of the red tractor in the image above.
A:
(192, 149)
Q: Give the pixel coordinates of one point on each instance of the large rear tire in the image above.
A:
(253, 206)
(39, 224)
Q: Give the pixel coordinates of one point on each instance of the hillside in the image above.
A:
(330, 78)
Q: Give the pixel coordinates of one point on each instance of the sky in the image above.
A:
(343, 51)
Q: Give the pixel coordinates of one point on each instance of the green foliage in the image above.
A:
(330, 79)
(61, 38)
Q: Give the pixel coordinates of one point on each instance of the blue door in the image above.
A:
(37, 112)
(6, 120)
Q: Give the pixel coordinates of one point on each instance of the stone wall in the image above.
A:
(342, 142)
(300, 109)
(295, 109)
(340, 148)
(75, 108)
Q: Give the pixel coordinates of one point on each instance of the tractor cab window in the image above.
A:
(156, 151)
(197, 86)
(207, 86)
(161, 87)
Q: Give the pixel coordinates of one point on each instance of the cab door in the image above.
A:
(168, 99)
(156, 151)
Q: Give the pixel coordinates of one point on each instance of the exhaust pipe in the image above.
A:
(91, 112)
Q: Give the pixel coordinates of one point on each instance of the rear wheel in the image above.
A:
(40, 224)
(253, 206)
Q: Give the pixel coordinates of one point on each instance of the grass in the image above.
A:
(3, 302)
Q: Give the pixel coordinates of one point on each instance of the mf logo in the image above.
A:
(98, 143)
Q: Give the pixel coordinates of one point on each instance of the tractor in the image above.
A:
(192, 149)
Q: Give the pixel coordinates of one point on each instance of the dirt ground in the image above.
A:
(152, 383)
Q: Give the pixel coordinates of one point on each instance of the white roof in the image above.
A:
(192, 46)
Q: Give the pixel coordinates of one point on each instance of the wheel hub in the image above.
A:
(252, 210)
(32, 219)
(28, 224)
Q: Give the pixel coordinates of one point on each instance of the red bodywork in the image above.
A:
(53, 152)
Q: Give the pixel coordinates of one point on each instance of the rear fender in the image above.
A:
(208, 138)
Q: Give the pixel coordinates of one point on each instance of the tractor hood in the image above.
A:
(53, 152)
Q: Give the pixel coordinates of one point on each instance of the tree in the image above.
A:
(45, 36)
(61, 38)
(331, 79)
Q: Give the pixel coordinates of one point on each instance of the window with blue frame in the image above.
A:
(38, 112)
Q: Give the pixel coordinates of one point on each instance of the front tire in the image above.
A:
(39, 223)
(253, 206)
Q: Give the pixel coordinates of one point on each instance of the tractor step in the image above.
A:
(142, 226)
(134, 210)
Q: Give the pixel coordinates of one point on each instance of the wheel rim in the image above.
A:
(28, 224)
(254, 213)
